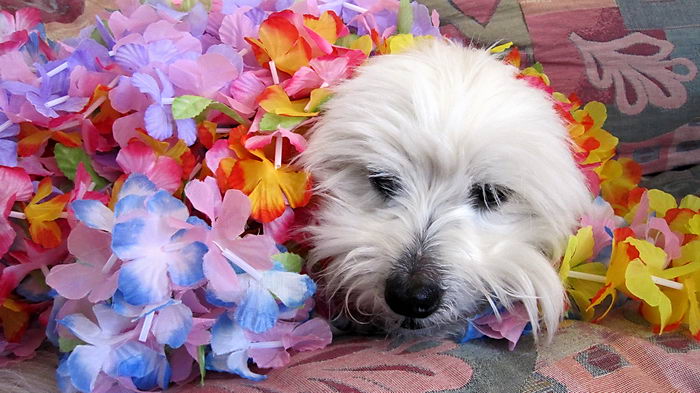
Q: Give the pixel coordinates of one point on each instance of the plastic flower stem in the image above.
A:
(243, 52)
(239, 262)
(223, 130)
(273, 71)
(57, 101)
(147, 322)
(5, 125)
(167, 100)
(110, 262)
(598, 278)
(354, 7)
(278, 151)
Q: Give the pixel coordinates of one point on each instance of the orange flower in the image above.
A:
(274, 100)
(42, 216)
(597, 145)
(268, 187)
(280, 41)
(324, 31)
(32, 138)
(619, 179)
(15, 319)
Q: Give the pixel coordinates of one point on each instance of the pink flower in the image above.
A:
(163, 171)
(16, 186)
(98, 280)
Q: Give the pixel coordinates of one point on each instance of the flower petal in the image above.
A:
(158, 122)
(222, 278)
(227, 336)
(205, 196)
(235, 363)
(185, 265)
(172, 325)
(258, 311)
(85, 364)
(94, 214)
(144, 281)
(291, 289)
(82, 327)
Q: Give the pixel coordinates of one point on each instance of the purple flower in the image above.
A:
(8, 146)
(159, 117)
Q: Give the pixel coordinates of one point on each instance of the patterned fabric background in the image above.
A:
(640, 57)
(619, 356)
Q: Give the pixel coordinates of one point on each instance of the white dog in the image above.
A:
(446, 185)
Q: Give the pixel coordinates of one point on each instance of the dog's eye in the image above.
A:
(385, 184)
(488, 196)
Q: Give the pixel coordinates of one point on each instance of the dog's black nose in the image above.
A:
(413, 297)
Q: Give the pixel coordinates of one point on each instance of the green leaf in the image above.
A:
(405, 23)
(538, 67)
(291, 262)
(345, 41)
(228, 112)
(67, 159)
(68, 344)
(187, 107)
(272, 121)
(201, 358)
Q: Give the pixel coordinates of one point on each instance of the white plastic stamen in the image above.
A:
(57, 101)
(146, 328)
(194, 172)
(273, 70)
(18, 215)
(22, 216)
(598, 278)
(266, 345)
(110, 262)
(58, 69)
(239, 262)
(167, 100)
(5, 125)
(354, 7)
(278, 151)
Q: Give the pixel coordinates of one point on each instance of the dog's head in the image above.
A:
(446, 185)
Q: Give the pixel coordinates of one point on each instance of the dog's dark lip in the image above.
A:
(411, 324)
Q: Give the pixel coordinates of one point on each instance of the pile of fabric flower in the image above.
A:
(146, 187)
(148, 194)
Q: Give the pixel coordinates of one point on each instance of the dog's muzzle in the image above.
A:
(413, 296)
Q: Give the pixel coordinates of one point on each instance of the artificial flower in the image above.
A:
(158, 117)
(42, 216)
(280, 41)
(268, 187)
(148, 243)
(17, 186)
(579, 252)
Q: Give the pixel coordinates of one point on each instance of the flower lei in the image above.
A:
(148, 191)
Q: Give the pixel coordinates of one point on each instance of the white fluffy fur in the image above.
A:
(442, 118)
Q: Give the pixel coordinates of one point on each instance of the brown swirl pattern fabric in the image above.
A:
(620, 356)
